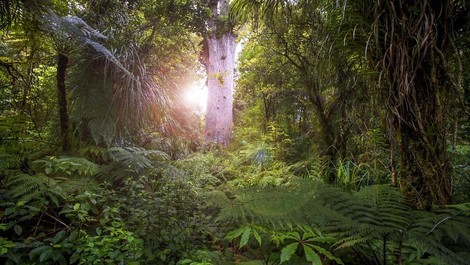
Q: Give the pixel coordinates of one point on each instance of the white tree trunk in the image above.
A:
(220, 68)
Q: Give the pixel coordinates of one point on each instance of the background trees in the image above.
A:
(327, 50)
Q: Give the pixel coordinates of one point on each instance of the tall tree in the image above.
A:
(412, 41)
(218, 57)
(62, 63)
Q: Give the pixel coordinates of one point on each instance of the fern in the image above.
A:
(35, 192)
(67, 166)
(376, 220)
(133, 161)
(135, 157)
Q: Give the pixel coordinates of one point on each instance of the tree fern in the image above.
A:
(129, 92)
(376, 220)
(72, 27)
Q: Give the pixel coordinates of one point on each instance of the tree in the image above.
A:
(218, 57)
(409, 43)
(329, 82)
(412, 42)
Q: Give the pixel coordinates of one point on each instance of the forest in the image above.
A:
(251, 132)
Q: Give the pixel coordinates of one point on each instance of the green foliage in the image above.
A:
(67, 166)
(5, 244)
(353, 176)
(17, 135)
(113, 244)
(202, 257)
(287, 241)
(152, 214)
(461, 183)
(308, 108)
(374, 220)
(168, 214)
(35, 191)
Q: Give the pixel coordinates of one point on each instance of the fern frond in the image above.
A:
(22, 184)
(34, 189)
(135, 157)
(368, 219)
(136, 161)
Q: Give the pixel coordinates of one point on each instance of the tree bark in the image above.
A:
(413, 37)
(220, 63)
(62, 62)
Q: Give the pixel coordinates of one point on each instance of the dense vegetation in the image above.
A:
(350, 142)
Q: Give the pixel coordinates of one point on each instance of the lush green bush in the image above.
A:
(133, 209)
(461, 183)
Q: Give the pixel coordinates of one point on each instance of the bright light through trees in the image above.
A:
(195, 96)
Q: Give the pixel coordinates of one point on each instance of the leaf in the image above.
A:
(73, 236)
(45, 255)
(59, 236)
(245, 237)
(288, 251)
(234, 233)
(38, 250)
(75, 257)
(326, 253)
(18, 229)
(185, 261)
(312, 256)
(257, 236)
(323, 239)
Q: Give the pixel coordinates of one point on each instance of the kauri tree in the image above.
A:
(218, 57)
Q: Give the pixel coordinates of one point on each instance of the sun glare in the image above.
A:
(196, 97)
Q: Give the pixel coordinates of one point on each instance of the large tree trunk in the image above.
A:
(413, 38)
(62, 62)
(220, 46)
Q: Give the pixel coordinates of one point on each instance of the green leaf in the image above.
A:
(18, 229)
(288, 251)
(323, 239)
(326, 253)
(235, 233)
(312, 256)
(59, 236)
(75, 257)
(73, 235)
(45, 255)
(38, 250)
(257, 236)
(185, 261)
(245, 237)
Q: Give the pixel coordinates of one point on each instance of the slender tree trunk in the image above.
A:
(220, 63)
(62, 61)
